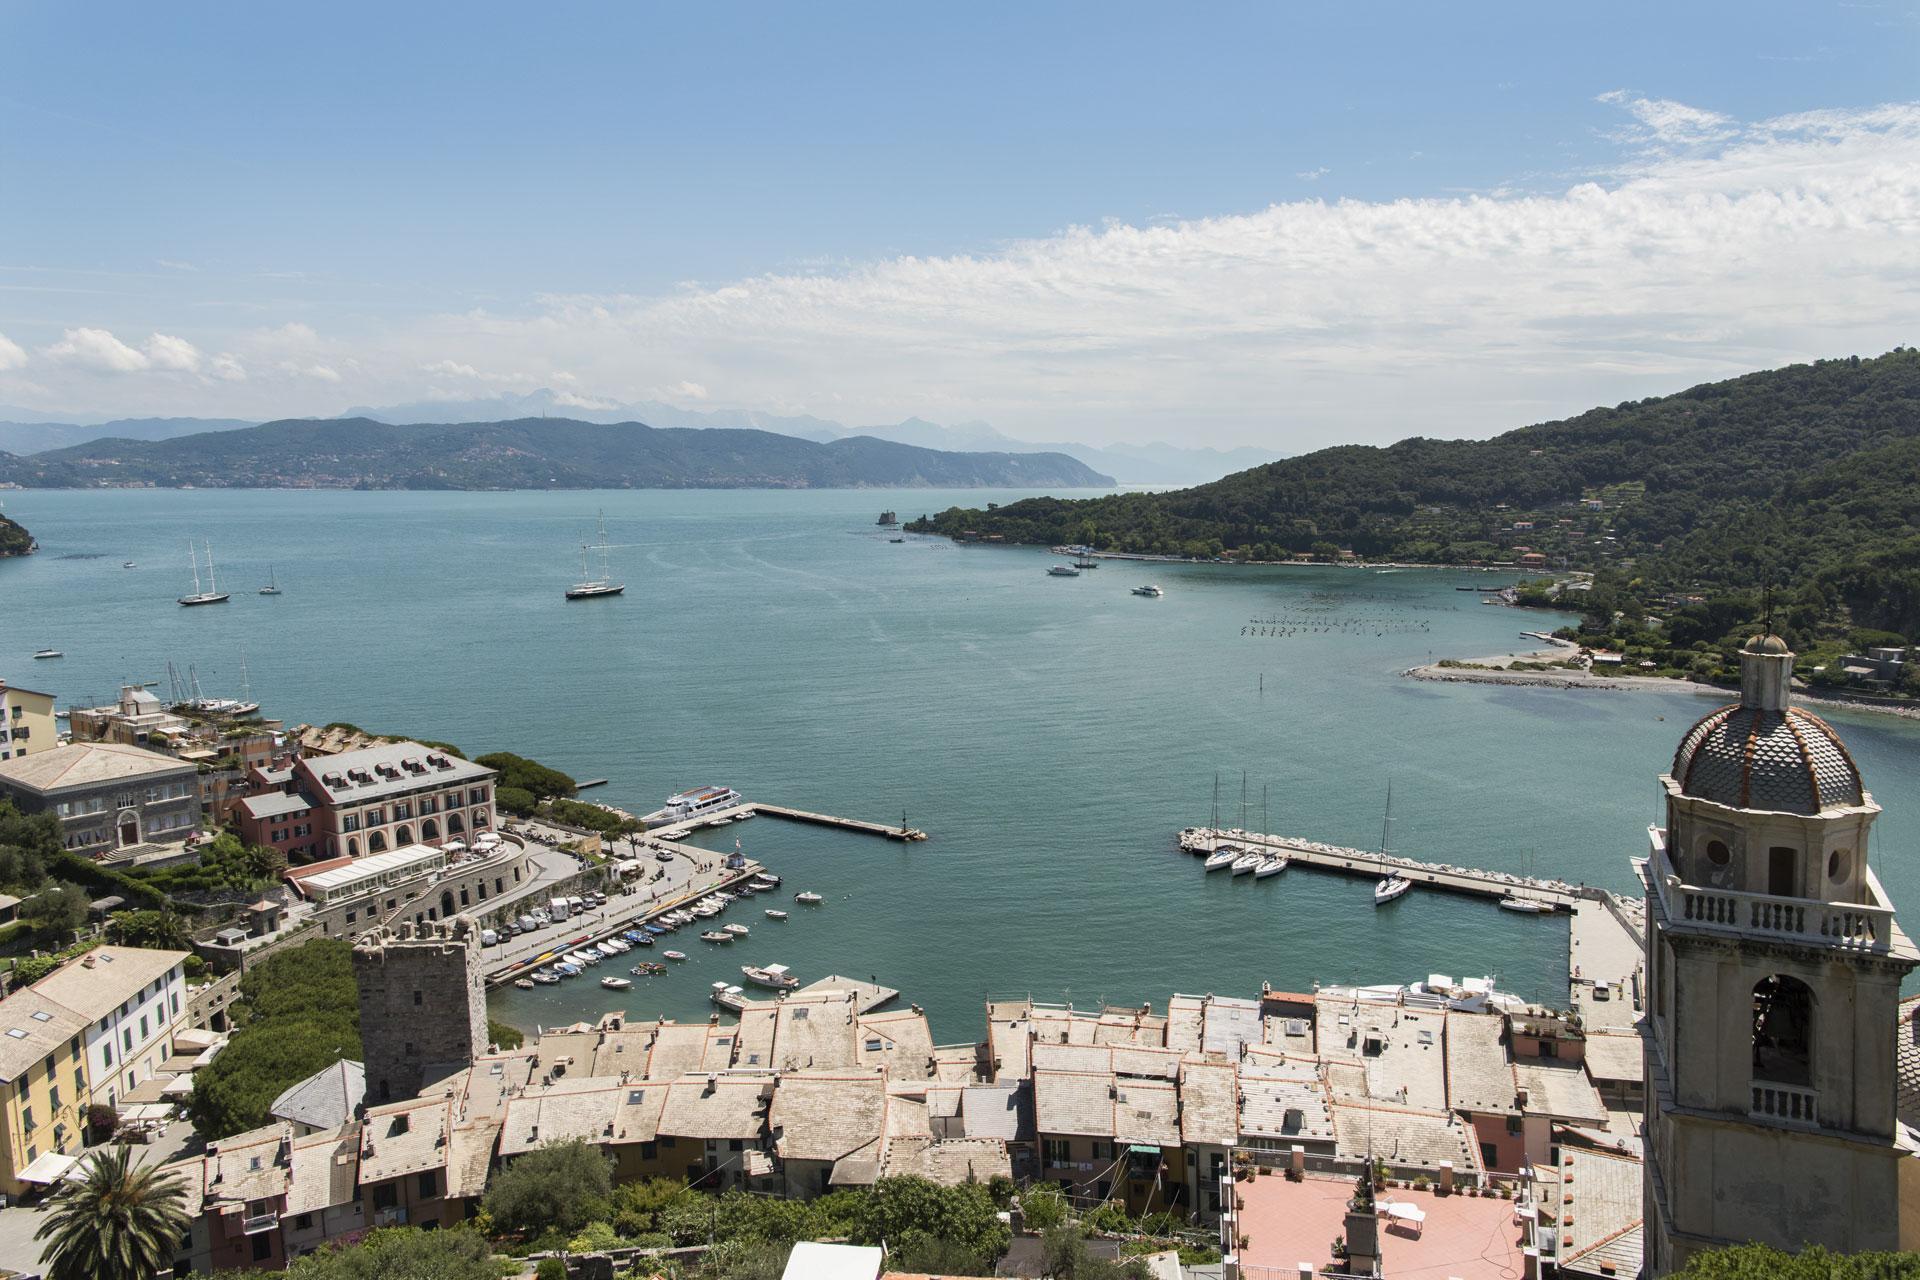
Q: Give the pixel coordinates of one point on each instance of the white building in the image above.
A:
(134, 999)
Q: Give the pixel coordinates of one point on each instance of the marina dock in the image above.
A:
(1357, 862)
(867, 996)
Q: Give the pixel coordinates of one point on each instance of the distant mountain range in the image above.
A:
(1149, 464)
(528, 453)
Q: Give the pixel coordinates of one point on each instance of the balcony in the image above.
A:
(254, 1223)
(1785, 1104)
(1846, 925)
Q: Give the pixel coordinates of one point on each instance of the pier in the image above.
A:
(1557, 894)
(748, 809)
(865, 996)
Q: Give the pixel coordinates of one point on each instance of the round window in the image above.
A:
(1839, 864)
(1718, 854)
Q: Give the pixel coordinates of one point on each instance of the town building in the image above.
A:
(110, 799)
(1775, 966)
(43, 1090)
(423, 1006)
(371, 800)
(134, 1000)
(26, 722)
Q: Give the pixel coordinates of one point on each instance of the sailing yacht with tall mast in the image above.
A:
(1395, 884)
(590, 586)
(212, 593)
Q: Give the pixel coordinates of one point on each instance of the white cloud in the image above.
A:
(1662, 122)
(12, 354)
(98, 350)
(1313, 175)
(684, 390)
(316, 371)
(164, 351)
(226, 367)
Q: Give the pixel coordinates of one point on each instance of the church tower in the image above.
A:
(1774, 965)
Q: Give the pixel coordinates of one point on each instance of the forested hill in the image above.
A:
(531, 453)
(1807, 474)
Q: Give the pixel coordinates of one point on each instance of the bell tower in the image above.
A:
(1774, 965)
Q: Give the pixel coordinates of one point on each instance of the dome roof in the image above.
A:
(1768, 643)
(1784, 761)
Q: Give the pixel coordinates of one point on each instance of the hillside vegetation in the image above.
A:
(1806, 477)
(531, 453)
(14, 540)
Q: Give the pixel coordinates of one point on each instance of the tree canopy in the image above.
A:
(1759, 1262)
(404, 1253)
(560, 1187)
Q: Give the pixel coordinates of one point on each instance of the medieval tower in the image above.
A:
(423, 1005)
(1774, 965)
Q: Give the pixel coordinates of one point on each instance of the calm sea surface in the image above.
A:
(1051, 734)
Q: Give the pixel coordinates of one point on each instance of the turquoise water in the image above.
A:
(1051, 734)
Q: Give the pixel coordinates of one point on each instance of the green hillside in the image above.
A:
(14, 540)
(1807, 477)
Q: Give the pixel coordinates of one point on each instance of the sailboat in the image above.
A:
(212, 594)
(1083, 558)
(273, 586)
(1525, 906)
(588, 587)
(1394, 885)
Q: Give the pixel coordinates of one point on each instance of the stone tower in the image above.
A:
(423, 1005)
(1774, 965)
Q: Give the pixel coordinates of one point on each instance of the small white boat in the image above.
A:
(706, 911)
(716, 935)
(1525, 906)
(48, 653)
(775, 976)
(1224, 856)
(810, 899)
(545, 978)
(1150, 590)
(1272, 865)
(1392, 887)
(128, 564)
(273, 586)
(674, 955)
(1247, 862)
(612, 983)
(737, 930)
(525, 984)
(775, 915)
(1063, 571)
(727, 996)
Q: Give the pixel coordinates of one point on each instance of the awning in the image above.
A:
(48, 1169)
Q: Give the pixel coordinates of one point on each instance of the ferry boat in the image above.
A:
(775, 976)
(1151, 590)
(682, 805)
(1392, 887)
(1063, 571)
(589, 586)
(212, 594)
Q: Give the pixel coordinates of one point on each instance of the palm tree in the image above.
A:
(114, 1223)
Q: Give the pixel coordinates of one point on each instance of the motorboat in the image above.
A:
(614, 947)
(584, 956)
(1063, 571)
(809, 899)
(614, 983)
(1247, 862)
(1150, 590)
(648, 969)
(634, 935)
(1225, 856)
(566, 969)
(545, 977)
(644, 940)
(775, 915)
(706, 912)
(1271, 865)
(768, 879)
(525, 984)
(1525, 906)
(1392, 887)
(728, 996)
(716, 935)
(674, 955)
(655, 930)
(48, 653)
(775, 976)
(738, 930)
(128, 564)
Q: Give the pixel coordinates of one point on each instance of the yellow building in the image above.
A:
(43, 1090)
(26, 722)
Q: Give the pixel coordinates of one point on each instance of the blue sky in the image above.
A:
(869, 211)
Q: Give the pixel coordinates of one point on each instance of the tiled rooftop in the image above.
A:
(1463, 1238)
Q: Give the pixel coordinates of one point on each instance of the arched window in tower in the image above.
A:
(1783, 1031)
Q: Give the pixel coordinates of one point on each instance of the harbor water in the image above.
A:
(1051, 734)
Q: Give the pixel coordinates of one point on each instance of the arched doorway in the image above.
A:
(353, 846)
(446, 903)
(454, 825)
(377, 842)
(1783, 1031)
(404, 835)
(127, 823)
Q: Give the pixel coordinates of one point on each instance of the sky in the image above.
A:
(1278, 225)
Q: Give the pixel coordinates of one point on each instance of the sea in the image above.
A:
(1051, 734)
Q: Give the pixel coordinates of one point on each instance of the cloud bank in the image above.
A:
(1710, 247)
